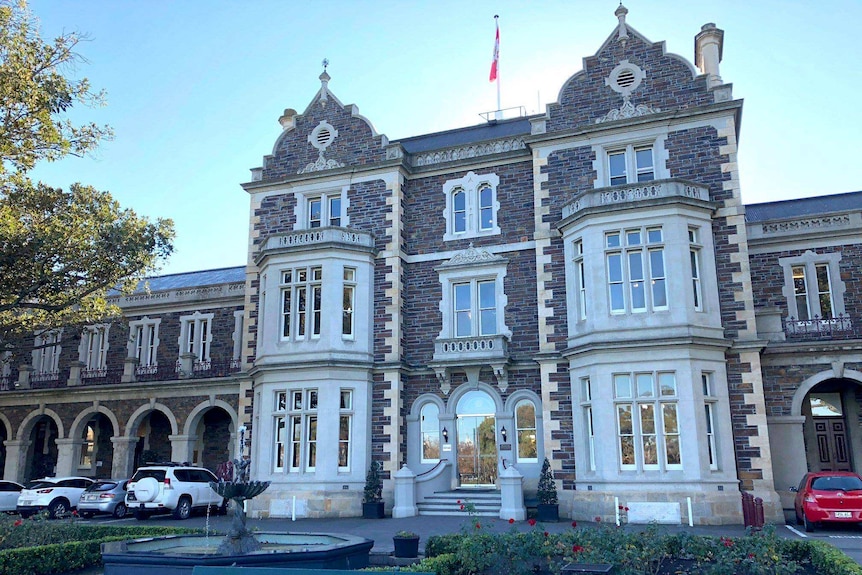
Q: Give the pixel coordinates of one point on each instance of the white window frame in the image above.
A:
(345, 413)
(695, 249)
(580, 279)
(589, 434)
(46, 356)
(348, 304)
(518, 430)
(472, 185)
(429, 431)
(93, 350)
(634, 172)
(144, 342)
(325, 196)
(495, 271)
(810, 261)
(280, 453)
(196, 337)
(300, 410)
(621, 273)
(297, 323)
(710, 403)
(635, 393)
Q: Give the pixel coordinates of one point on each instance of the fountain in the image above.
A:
(179, 554)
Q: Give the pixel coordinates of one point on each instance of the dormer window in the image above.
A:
(471, 206)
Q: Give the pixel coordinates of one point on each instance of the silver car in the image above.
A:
(9, 492)
(106, 496)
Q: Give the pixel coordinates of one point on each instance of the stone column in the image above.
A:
(66, 464)
(16, 459)
(512, 495)
(75, 368)
(24, 373)
(124, 453)
(130, 365)
(405, 493)
(181, 447)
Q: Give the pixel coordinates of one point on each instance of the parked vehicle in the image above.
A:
(9, 492)
(172, 488)
(828, 496)
(104, 496)
(56, 495)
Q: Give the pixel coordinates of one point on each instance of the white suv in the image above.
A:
(57, 495)
(172, 488)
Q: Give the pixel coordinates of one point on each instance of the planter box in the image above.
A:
(372, 510)
(547, 512)
(406, 547)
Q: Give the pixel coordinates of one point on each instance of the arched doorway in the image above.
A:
(153, 443)
(3, 437)
(96, 456)
(213, 444)
(830, 409)
(476, 440)
(42, 451)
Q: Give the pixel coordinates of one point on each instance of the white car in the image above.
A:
(57, 495)
(172, 488)
(9, 492)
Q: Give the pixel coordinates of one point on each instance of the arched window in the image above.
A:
(525, 424)
(430, 425)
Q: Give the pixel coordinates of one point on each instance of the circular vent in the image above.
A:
(322, 135)
(626, 79)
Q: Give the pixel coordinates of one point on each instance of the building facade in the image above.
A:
(583, 285)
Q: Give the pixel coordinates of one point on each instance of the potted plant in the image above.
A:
(372, 502)
(406, 544)
(548, 508)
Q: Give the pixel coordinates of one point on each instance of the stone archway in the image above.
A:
(42, 452)
(153, 439)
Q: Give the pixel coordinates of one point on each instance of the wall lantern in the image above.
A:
(445, 435)
(503, 433)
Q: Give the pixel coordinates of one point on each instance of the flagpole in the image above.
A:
(499, 114)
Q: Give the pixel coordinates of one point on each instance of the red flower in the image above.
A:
(620, 507)
(74, 512)
(577, 549)
(546, 533)
(531, 521)
(478, 525)
(462, 507)
(574, 524)
(511, 520)
(598, 519)
(625, 509)
(459, 503)
(18, 523)
(751, 555)
(726, 542)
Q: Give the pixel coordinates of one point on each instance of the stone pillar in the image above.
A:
(787, 442)
(75, 368)
(512, 495)
(405, 494)
(124, 453)
(181, 447)
(130, 365)
(187, 365)
(16, 460)
(66, 464)
(24, 373)
(708, 45)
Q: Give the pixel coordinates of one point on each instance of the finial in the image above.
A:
(325, 63)
(324, 81)
(620, 13)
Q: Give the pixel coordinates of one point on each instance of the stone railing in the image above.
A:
(459, 349)
(632, 193)
(319, 238)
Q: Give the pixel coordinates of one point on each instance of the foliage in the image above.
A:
(547, 491)
(440, 565)
(373, 484)
(407, 535)
(60, 251)
(443, 544)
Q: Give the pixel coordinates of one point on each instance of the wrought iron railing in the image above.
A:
(820, 328)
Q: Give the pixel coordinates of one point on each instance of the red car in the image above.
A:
(828, 496)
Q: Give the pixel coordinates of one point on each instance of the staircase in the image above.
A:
(486, 503)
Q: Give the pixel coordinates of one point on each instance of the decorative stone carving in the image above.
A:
(443, 378)
(466, 152)
(811, 223)
(627, 110)
(472, 256)
(320, 164)
(502, 375)
(321, 138)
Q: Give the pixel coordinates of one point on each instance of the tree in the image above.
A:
(60, 251)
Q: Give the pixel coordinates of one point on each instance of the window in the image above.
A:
(814, 290)
(709, 404)
(580, 280)
(647, 421)
(93, 351)
(429, 417)
(46, 355)
(630, 165)
(301, 296)
(345, 418)
(88, 446)
(694, 252)
(525, 431)
(475, 308)
(586, 403)
(635, 260)
(324, 210)
(195, 338)
(295, 430)
(348, 301)
(145, 342)
(471, 206)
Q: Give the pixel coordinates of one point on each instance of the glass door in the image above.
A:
(476, 440)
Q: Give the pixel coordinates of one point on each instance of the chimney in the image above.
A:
(708, 45)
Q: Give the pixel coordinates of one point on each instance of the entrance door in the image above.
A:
(832, 446)
(476, 440)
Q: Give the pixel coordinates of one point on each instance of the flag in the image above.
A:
(496, 56)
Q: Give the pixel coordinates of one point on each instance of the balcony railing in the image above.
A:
(484, 348)
(820, 328)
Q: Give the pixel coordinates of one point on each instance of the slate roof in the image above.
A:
(803, 207)
(194, 279)
(464, 136)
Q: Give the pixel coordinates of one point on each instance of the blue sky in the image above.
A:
(195, 88)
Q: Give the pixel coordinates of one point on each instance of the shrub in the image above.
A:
(442, 544)
(373, 484)
(547, 491)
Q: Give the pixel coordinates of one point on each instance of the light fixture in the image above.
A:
(445, 435)
(503, 433)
